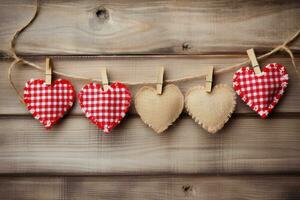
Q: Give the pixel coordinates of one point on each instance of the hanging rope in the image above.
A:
(17, 60)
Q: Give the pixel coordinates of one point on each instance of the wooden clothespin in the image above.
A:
(254, 63)
(105, 83)
(48, 72)
(209, 79)
(160, 79)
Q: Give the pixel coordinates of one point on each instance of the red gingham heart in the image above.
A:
(261, 92)
(48, 103)
(105, 108)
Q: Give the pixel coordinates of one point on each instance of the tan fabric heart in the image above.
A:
(159, 111)
(211, 110)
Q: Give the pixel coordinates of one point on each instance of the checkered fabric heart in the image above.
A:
(48, 103)
(261, 92)
(105, 108)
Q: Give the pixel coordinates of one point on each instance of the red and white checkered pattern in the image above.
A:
(261, 92)
(48, 103)
(105, 108)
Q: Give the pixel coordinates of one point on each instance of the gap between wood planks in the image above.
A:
(152, 175)
(278, 115)
(5, 55)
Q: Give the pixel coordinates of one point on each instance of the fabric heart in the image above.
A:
(48, 103)
(261, 92)
(105, 108)
(211, 110)
(159, 111)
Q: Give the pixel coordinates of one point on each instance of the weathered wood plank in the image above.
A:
(134, 69)
(75, 146)
(152, 27)
(151, 187)
(31, 188)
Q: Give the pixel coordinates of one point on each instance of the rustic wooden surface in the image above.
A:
(159, 27)
(250, 158)
(75, 146)
(154, 187)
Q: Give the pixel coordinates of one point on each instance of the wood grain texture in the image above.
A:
(152, 27)
(74, 160)
(151, 188)
(75, 146)
(31, 188)
(139, 69)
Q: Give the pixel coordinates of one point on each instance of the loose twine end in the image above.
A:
(17, 60)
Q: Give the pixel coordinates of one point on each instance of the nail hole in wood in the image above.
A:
(186, 46)
(187, 188)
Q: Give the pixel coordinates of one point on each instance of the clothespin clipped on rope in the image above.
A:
(160, 80)
(104, 79)
(209, 79)
(254, 63)
(48, 72)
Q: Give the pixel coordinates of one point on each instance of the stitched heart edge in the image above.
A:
(161, 129)
(221, 125)
(100, 125)
(33, 112)
(284, 82)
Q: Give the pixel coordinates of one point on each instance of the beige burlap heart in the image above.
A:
(211, 110)
(159, 111)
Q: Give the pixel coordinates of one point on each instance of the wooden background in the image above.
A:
(250, 158)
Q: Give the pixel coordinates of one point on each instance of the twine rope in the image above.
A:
(17, 60)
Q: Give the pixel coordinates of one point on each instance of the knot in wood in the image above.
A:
(102, 13)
